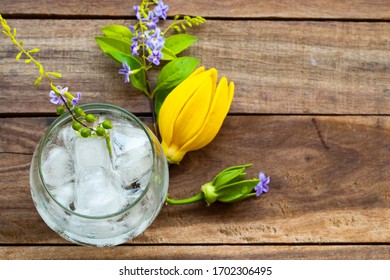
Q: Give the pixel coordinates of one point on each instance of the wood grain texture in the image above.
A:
(329, 184)
(311, 109)
(181, 252)
(352, 9)
(278, 67)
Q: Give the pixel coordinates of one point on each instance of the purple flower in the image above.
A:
(125, 71)
(62, 90)
(55, 99)
(155, 57)
(76, 100)
(137, 13)
(155, 41)
(135, 44)
(134, 48)
(151, 21)
(161, 10)
(262, 186)
(132, 29)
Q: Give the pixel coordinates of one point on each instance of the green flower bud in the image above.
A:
(60, 110)
(76, 125)
(90, 118)
(209, 194)
(100, 131)
(228, 186)
(85, 132)
(79, 112)
(107, 124)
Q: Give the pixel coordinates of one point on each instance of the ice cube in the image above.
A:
(64, 194)
(66, 137)
(98, 192)
(133, 171)
(91, 152)
(132, 156)
(57, 166)
(130, 145)
(128, 138)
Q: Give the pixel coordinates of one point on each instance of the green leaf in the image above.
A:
(118, 29)
(119, 32)
(179, 42)
(120, 51)
(168, 54)
(34, 50)
(109, 45)
(170, 76)
(159, 96)
(138, 80)
(176, 71)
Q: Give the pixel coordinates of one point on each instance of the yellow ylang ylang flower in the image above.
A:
(193, 113)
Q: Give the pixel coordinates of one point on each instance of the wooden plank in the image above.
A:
(354, 9)
(287, 67)
(182, 252)
(329, 183)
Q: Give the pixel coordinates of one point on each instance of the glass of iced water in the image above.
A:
(91, 196)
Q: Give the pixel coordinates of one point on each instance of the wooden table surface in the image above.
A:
(311, 109)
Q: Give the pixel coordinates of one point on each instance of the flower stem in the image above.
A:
(108, 144)
(172, 25)
(30, 58)
(155, 125)
(189, 200)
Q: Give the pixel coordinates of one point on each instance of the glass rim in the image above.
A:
(67, 117)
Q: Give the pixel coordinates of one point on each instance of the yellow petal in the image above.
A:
(175, 101)
(186, 109)
(196, 72)
(192, 117)
(218, 111)
(172, 153)
(214, 76)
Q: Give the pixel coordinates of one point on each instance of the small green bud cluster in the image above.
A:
(181, 24)
(60, 110)
(83, 123)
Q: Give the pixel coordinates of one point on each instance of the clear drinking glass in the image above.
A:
(90, 196)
